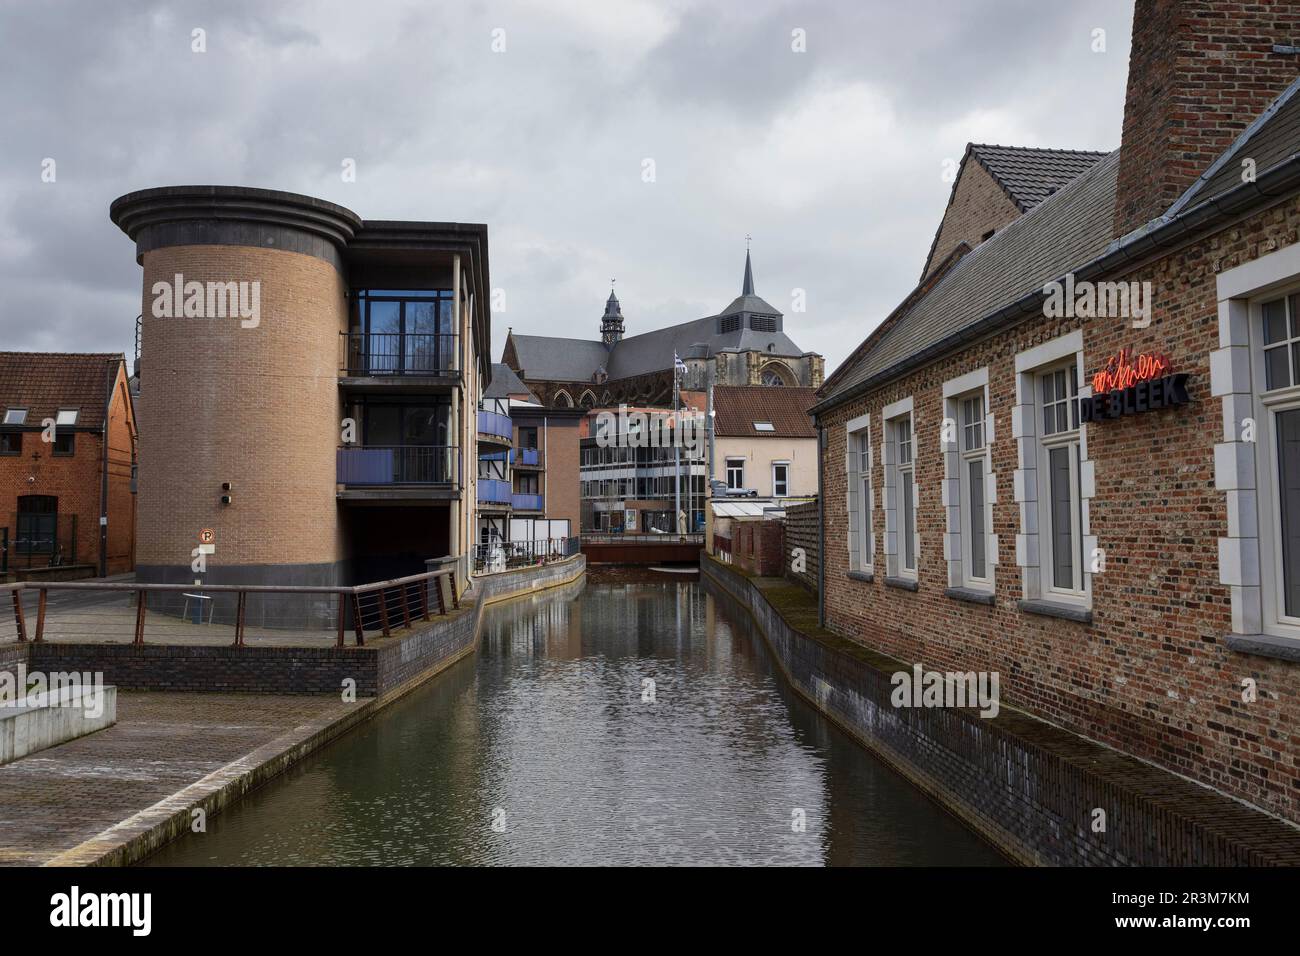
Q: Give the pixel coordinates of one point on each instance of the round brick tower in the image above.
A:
(244, 299)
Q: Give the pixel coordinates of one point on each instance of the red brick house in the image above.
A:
(1072, 454)
(67, 455)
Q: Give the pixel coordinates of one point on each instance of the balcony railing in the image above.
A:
(504, 555)
(494, 423)
(493, 491)
(524, 456)
(523, 502)
(399, 353)
(398, 465)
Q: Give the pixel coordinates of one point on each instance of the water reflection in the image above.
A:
(546, 748)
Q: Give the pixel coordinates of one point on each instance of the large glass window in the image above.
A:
(905, 494)
(1060, 502)
(405, 332)
(1280, 477)
(974, 460)
(38, 521)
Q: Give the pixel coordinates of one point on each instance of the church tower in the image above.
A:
(611, 323)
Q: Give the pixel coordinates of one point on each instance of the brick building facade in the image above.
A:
(310, 382)
(67, 457)
(1121, 553)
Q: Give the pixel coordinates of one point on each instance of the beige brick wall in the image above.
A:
(978, 204)
(258, 407)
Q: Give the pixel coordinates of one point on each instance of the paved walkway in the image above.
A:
(82, 799)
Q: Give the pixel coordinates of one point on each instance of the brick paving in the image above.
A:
(55, 800)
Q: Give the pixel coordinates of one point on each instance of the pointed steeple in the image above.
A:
(747, 288)
(611, 323)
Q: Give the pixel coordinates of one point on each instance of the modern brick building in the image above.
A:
(1091, 487)
(67, 459)
(528, 465)
(310, 380)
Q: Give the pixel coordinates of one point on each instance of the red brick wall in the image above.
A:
(75, 481)
(758, 546)
(1152, 674)
(1199, 72)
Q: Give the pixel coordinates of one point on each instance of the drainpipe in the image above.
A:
(821, 525)
(103, 473)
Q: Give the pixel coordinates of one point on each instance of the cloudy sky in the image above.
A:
(831, 158)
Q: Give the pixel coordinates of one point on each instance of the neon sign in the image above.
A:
(1129, 384)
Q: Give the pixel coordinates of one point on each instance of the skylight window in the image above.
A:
(15, 416)
(764, 427)
(66, 416)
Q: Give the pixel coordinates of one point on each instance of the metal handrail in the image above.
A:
(349, 597)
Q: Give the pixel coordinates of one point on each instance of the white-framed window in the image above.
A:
(1054, 480)
(15, 416)
(861, 505)
(1060, 504)
(735, 473)
(970, 486)
(1275, 365)
(66, 416)
(780, 479)
(901, 539)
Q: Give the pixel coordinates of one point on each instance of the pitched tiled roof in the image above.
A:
(1030, 175)
(1068, 229)
(44, 382)
(542, 357)
(505, 383)
(738, 407)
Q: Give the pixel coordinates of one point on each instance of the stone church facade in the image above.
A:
(744, 344)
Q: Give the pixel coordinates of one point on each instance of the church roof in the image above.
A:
(542, 357)
(560, 360)
(653, 351)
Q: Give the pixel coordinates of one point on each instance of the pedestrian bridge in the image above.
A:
(642, 548)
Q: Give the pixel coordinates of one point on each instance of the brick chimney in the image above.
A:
(1199, 73)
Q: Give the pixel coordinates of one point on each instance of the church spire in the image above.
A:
(611, 323)
(747, 288)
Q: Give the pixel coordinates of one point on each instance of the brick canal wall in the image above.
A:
(1028, 787)
(384, 668)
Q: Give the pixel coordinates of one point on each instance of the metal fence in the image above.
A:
(398, 465)
(38, 541)
(505, 555)
(134, 613)
(399, 353)
(642, 538)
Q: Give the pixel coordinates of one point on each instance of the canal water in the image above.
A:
(635, 721)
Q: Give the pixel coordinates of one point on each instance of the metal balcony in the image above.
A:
(434, 465)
